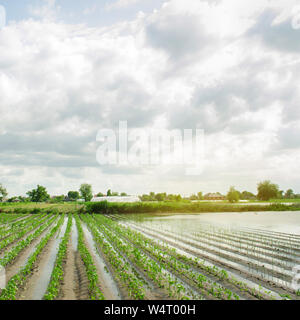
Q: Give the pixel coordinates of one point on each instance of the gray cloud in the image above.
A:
(60, 84)
(178, 35)
(280, 36)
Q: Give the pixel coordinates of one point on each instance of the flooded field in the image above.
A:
(287, 221)
(227, 256)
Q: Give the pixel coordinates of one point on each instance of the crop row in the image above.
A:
(172, 263)
(259, 270)
(194, 261)
(91, 271)
(157, 272)
(57, 272)
(121, 268)
(18, 235)
(21, 245)
(14, 227)
(268, 265)
(15, 283)
(7, 218)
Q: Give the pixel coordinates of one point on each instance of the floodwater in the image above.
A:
(224, 238)
(278, 221)
(107, 277)
(41, 286)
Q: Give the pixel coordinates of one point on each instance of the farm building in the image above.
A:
(214, 196)
(117, 199)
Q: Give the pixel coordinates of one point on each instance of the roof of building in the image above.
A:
(213, 195)
(116, 199)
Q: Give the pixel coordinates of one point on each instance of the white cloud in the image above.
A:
(206, 65)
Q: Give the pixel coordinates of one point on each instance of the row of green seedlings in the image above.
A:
(132, 268)
(208, 288)
(122, 271)
(166, 253)
(239, 243)
(155, 271)
(57, 275)
(7, 218)
(263, 235)
(8, 222)
(21, 245)
(262, 239)
(252, 251)
(259, 261)
(239, 233)
(18, 235)
(15, 224)
(221, 274)
(17, 227)
(18, 280)
(180, 269)
(265, 269)
(91, 271)
(262, 246)
(259, 293)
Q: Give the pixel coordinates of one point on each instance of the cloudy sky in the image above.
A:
(70, 68)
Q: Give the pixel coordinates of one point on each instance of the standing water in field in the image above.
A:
(44, 279)
(262, 245)
(286, 221)
(108, 281)
(74, 235)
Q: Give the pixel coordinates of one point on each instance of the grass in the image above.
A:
(150, 207)
(29, 207)
(285, 200)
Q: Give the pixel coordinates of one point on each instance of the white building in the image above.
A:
(117, 199)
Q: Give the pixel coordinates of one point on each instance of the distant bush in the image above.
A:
(36, 210)
(21, 211)
(97, 207)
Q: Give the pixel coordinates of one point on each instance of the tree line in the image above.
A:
(266, 190)
(40, 194)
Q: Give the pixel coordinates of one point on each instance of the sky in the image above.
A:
(71, 68)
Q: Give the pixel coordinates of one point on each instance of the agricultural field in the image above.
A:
(63, 255)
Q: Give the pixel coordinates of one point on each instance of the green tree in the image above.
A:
(13, 199)
(289, 194)
(86, 192)
(73, 195)
(23, 199)
(57, 199)
(200, 195)
(246, 195)
(39, 194)
(233, 195)
(123, 194)
(281, 194)
(109, 193)
(193, 197)
(152, 196)
(178, 197)
(145, 197)
(161, 196)
(99, 194)
(267, 190)
(3, 193)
